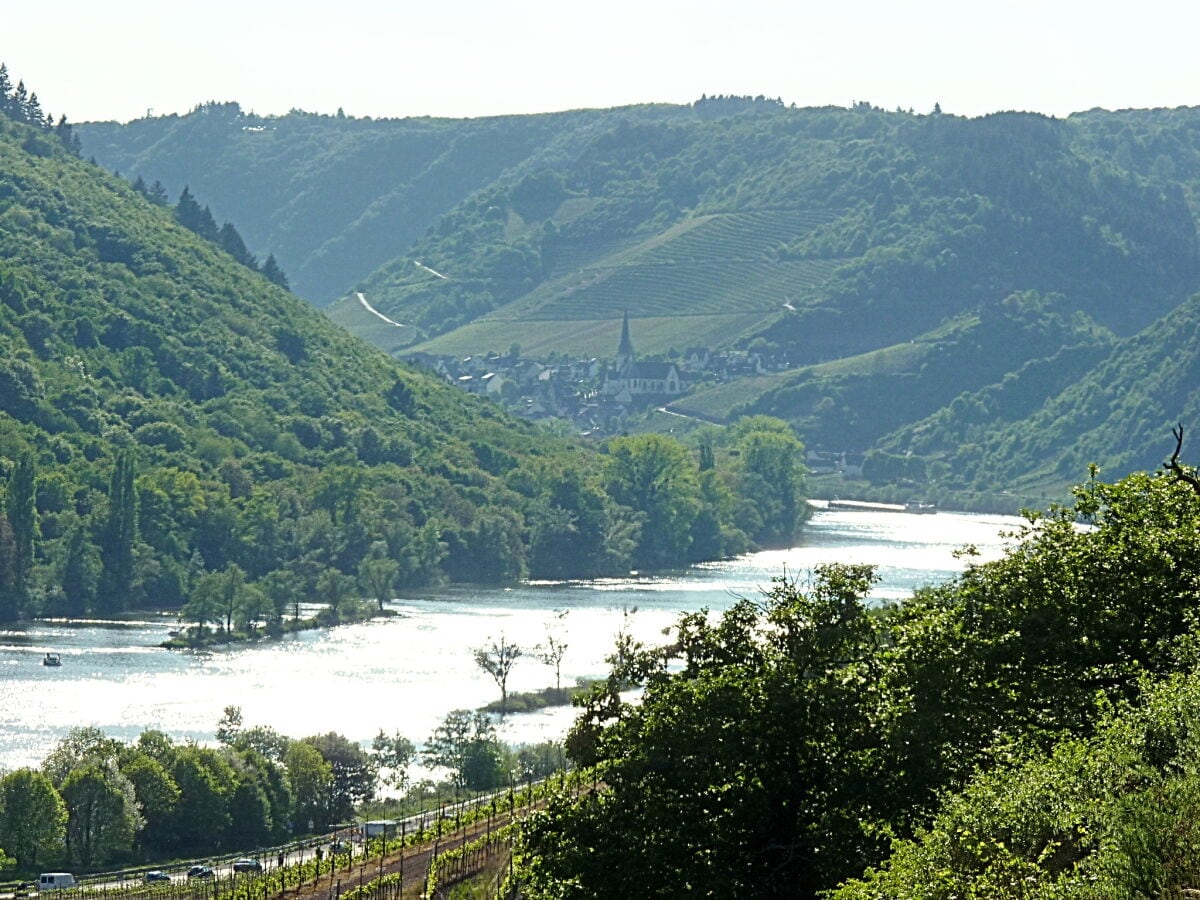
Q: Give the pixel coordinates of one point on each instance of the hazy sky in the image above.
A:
(117, 59)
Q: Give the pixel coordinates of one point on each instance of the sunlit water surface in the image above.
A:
(404, 673)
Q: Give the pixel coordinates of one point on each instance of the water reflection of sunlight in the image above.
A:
(404, 673)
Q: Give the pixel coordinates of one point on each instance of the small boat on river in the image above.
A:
(51, 659)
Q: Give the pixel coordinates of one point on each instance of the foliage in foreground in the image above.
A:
(794, 738)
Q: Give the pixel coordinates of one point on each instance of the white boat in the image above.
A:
(51, 659)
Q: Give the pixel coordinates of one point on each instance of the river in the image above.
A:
(406, 672)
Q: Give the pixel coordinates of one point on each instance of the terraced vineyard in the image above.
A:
(715, 265)
(738, 236)
(593, 337)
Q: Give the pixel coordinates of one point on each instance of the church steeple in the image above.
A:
(625, 349)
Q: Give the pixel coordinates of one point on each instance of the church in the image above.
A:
(627, 380)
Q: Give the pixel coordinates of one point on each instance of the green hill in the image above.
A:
(816, 235)
(169, 418)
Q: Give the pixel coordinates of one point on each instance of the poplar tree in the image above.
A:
(119, 534)
(9, 607)
(19, 504)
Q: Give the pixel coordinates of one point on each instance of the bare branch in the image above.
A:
(1176, 467)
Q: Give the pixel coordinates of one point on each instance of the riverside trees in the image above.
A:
(794, 737)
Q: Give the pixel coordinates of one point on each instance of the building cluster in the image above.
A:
(595, 395)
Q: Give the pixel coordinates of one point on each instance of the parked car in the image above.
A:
(200, 872)
(156, 875)
(339, 846)
(247, 865)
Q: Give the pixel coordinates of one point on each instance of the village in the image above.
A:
(596, 396)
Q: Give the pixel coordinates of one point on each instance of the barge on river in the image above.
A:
(918, 507)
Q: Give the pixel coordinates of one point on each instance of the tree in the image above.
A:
(274, 274)
(119, 534)
(497, 659)
(157, 796)
(747, 767)
(555, 648)
(80, 745)
(231, 592)
(377, 574)
(22, 514)
(81, 570)
(203, 604)
(311, 778)
(33, 817)
(393, 753)
(102, 813)
(205, 782)
(771, 466)
(353, 774)
(230, 726)
(10, 593)
(465, 743)
(654, 475)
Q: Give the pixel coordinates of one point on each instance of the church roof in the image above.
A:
(656, 371)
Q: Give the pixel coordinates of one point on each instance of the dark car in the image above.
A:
(200, 872)
(247, 865)
(156, 875)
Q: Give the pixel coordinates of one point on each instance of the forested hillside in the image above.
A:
(918, 276)
(333, 197)
(175, 428)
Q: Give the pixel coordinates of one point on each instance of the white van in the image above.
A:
(53, 881)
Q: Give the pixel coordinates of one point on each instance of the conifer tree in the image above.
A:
(157, 193)
(5, 88)
(273, 273)
(16, 105)
(231, 242)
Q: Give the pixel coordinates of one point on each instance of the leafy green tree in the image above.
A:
(311, 779)
(231, 593)
(204, 602)
(654, 475)
(250, 821)
(80, 745)
(206, 781)
(157, 797)
(33, 817)
(230, 726)
(747, 766)
(465, 743)
(353, 774)
(771, 466)
(102, 813)
(393, 753)
(377, 574)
